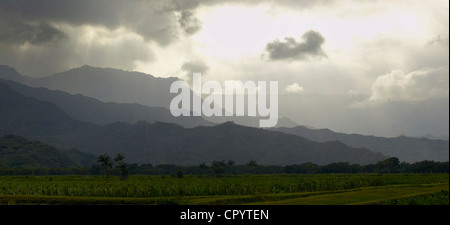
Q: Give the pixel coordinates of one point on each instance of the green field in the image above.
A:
(324, 189)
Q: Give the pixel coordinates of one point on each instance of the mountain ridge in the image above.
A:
(227, 141)
(407, 149)
(389, 119)
(166, 143)
(89, 109)
(104, 84)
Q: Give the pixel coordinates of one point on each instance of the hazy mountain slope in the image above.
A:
(19, 152)
(336, 112)
(111, 85)
(388, 119)
(30, 117)
(9, 73)
(405, 148)
(114, 86)
(104, 84)
(92, 110)
(163, 143)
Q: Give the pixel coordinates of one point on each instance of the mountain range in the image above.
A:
(348, 114)
(102, 120)
(336, 112)
(89, 109)
(105, 95)
(407, 149)
(166, 143)
(104, 84)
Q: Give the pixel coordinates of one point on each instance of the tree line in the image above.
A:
(219, 168)
(108, 166)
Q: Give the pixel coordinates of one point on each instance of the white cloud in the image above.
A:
(294, 88)
(418, 85)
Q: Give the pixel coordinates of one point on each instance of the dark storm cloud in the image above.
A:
(54, 29)
(189, 23)
(290, 49)
(16, 32)
(44, 60)
(74, 12)
(153, 20)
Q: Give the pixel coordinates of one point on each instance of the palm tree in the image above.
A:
(119, 157)
(105, 160)
(218, 167)
(230, 163)
(252, 163)
(203, 165)
(122, 165)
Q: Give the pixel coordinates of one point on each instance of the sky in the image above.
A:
(385, 50)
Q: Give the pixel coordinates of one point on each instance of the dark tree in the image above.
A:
(122, 166)
(203, 166)
(218, 167)
(389, 165)
(252, 163)
(180, 173)
(106, 163)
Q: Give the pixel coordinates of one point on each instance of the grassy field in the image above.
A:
(334, 189)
